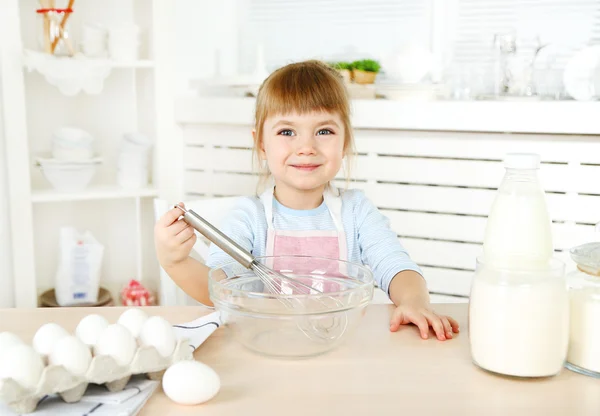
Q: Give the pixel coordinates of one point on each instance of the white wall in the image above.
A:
(6, 277)
(206, 39)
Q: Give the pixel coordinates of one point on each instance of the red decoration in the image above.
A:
(134, 294)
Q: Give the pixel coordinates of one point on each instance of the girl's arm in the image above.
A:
(379, 245)
(174, 240)
(409, 293)
(192, 277)
(397, 274)
(408, 288)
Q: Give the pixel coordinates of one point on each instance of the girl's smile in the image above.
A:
(306, 167)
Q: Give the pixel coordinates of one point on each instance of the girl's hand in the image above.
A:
(423, 317)
(173, 238)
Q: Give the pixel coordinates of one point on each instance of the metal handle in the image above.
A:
(216, 236)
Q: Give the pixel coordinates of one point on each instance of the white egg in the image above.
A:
(23, 364)
(7, 341)
(158, 333)
(73, 354)
(116, 341)
(190, 382)
(46, 336)
(133, 319)
(89, 328)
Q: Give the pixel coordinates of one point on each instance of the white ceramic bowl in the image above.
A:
(69, 177)
(66, 153)
(72, 136)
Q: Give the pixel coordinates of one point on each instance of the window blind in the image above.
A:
(572, 23)
(291, 30)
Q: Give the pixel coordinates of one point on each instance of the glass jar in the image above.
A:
(53, 31)
(519, 319)
(584, 294)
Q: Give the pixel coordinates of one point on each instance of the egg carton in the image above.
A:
(103, 370)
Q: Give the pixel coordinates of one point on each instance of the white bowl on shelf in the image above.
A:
(66, 153)
(72, 144)
(68, 176)
(72, 136)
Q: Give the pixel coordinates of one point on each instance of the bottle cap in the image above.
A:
(522, 161)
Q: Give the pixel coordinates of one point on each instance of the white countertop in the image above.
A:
(552, 117)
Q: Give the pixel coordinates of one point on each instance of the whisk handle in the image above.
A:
(221, 240)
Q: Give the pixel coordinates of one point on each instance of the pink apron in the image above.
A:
(329, 244)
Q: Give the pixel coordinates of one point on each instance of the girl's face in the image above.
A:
(303, 152)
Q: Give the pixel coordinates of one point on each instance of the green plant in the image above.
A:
(341, 65)
(367, 65)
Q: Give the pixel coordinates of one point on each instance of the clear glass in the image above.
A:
(519, 319)
(584, 294)
(293, 325)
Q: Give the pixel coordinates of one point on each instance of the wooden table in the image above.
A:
(375, 373)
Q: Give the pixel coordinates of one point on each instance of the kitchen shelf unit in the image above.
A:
(136, 96)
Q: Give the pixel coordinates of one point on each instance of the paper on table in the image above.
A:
(198, 330)
(97, 401)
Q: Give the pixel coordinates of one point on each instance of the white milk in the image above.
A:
(519, 304)
(518, 231)
(519, 330)
(584, 343)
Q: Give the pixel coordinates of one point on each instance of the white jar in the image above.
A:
(519, 319)
(584, 291)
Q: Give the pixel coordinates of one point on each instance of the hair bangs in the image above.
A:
(302, 90)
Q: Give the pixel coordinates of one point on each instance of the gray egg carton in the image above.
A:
(55, 379)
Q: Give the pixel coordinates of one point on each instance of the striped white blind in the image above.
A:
(291, 30)
(562, 22)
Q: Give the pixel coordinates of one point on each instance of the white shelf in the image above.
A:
(93, 193)
(144, 63)
(140, 63)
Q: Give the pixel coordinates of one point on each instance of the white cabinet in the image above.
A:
(136, 96)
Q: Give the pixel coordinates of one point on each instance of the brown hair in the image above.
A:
(302, 87)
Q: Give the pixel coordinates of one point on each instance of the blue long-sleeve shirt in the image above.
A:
(370, 240)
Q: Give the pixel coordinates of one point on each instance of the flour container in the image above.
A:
(519, 304)
(584, 294)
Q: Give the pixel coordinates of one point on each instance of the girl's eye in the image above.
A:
(324, 132)
(286, 132)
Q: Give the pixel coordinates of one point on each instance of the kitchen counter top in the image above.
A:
(377, 372)
(502, 116)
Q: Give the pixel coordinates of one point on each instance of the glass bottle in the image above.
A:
(519, 304)
(518, 232)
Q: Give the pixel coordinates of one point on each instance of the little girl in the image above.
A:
(301, 135)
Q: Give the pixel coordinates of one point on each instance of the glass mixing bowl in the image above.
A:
(292, 324)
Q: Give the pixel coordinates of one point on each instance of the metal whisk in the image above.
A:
(273, 281)
(319, 330)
